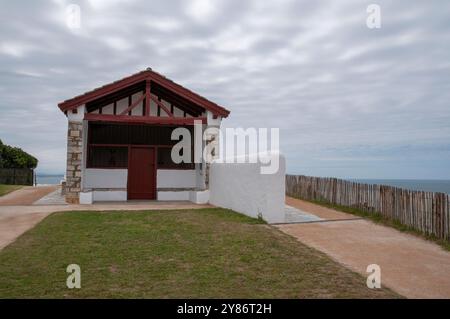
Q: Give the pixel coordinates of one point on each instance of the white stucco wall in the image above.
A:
(242, 188)
(76, 117)
(109, 196)
(176, 178)
(170, 195)
(105, 178)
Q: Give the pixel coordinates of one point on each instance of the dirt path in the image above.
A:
(26, 195)
(413, 267)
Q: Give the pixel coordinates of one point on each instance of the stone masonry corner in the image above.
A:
(74, 156)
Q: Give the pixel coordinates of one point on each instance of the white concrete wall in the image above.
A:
(171, 195)
(199, 197)
(200, 176)
(242, 188)
(105, 178)
(109, 196)
(76, 117)
(176, 178)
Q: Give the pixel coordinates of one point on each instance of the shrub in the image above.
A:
(14, 157)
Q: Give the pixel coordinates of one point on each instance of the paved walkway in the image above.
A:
(411, 266)
(26, 195)
(295, 215)
(53, 198)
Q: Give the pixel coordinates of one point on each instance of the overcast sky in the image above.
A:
(349, 101)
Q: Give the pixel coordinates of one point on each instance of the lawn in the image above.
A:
(204, 253)
(5, 189)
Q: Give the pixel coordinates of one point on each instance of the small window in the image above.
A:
(165, 160)
(108, 157)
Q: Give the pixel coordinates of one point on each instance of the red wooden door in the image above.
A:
(141, 173)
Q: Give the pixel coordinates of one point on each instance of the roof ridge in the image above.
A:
(70, 103)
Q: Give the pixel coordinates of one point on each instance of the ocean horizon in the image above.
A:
(426, 185)
(49, 179)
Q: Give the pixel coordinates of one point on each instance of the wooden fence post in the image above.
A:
(424, 211)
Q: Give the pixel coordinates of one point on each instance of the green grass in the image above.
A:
(5, 189)
(380, 219)
(204, 253)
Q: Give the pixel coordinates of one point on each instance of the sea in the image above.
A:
(427, 185)
(49, 179)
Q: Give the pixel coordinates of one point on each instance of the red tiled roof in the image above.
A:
(147, 74)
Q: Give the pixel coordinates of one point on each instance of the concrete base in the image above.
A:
(173, 195)
(109, 196)
(86, 198)
(199, 197)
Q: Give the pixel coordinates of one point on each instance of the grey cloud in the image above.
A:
(342, 94)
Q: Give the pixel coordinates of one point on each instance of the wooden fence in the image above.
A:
(16, 176)
(427, 212)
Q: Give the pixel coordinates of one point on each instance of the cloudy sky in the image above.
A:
(349, 101)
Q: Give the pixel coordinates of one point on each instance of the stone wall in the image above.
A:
(74, 157)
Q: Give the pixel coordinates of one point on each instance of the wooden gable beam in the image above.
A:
(113, 97)
(187, 94)
(147, 98)
(180, 102)
(133, 105)
(143, 119)
(161, 105)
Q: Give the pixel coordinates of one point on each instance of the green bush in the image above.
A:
(14, 157)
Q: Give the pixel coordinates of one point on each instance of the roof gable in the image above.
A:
(145, 75)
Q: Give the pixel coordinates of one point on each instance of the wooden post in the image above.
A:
(147, 97)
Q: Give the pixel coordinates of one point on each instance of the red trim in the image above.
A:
(102, 91)
(134, 145)
(194, 97)
(147, 76)
(155, 159)
(161, 105)
(147, 97)
(133, 105)
(143, 119)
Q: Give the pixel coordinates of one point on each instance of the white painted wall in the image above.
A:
(105, 178)
(200, 176)
(121, 105)
(76, 117)
(171, 195)
(117, 178)
(242, 188)
(109, 196)
(139, 108)
(199, 197)
(176, 178)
